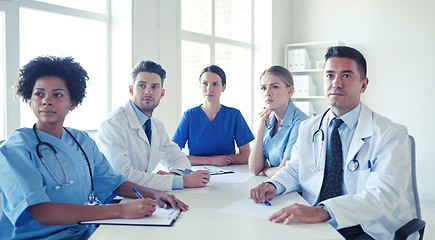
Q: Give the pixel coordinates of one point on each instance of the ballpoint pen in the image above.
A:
(266, 202)
(136, 192)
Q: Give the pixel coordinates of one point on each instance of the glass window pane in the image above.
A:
(196, 16)
(194, 57)
(43, 33)
(2, 76)
(233, 19)
(236, 62)
(98, 6)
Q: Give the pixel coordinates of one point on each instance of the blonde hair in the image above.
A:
(281, 72)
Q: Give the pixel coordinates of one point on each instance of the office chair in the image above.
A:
(415, 224)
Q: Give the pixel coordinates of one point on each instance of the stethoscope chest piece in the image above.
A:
(353, 165)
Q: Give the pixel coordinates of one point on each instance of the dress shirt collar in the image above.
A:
(350, 118)
(139, 114)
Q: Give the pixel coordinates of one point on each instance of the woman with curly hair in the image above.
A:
(53, 177)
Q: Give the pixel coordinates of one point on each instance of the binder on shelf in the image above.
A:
(298, 59)
(303, 86)
(290, 59)
(304, 59)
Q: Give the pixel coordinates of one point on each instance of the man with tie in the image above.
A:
(350, 164)
(134, 142)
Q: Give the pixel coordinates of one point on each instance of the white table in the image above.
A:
(203, 220)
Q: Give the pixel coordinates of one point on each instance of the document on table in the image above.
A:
(232, 178)
(224, 175)
(213, 170)
(248, 208)
(161, 217)
(205, 189)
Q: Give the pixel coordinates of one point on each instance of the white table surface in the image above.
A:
(203, 220)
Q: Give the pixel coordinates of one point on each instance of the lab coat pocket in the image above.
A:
(363, 175)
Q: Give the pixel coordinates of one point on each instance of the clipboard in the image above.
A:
(161, 217)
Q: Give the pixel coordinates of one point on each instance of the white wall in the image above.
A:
(397, 38)
(156, 36)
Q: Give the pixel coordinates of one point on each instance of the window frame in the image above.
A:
(211, 39)
(11, 11)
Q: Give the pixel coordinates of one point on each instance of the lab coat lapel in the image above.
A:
(363, 130)
(133, 122)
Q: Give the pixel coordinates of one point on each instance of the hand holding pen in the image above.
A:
(140, 208)
(263, 193)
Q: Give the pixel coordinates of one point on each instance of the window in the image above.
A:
(89, 31)
(217, 32)
(98, 6)
(62, 35)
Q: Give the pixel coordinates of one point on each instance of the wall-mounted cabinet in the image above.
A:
(305, 61)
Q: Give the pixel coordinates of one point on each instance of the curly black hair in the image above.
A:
(66, 68)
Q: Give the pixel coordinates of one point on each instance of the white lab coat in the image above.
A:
(380, 199)
(124, 143)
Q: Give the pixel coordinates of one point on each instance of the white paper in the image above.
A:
(248, 208)
(211, 169)
(232, 178)
(161, 217)
(205, 189)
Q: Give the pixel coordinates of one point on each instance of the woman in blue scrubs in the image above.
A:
(279, 123)
(212, 128)
(52, 177)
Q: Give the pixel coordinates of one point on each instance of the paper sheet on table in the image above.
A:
(248, 208)
(213, 170)
(205, 189)
(232, 178)
(161, 217)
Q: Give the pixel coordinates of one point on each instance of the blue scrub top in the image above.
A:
(207, 138)
(25, 181)
(280, 146)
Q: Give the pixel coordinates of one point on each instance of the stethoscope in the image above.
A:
(352, 166)
(92, 198)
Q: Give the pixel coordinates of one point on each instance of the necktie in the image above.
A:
(148, 130)
(333, 178)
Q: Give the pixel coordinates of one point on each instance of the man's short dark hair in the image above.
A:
(148, 66)
(348, 52)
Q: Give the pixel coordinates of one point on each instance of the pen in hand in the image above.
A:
(266, 202)
(136, 192)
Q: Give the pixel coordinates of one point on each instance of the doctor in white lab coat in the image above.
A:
(376, 168)
(122, 138)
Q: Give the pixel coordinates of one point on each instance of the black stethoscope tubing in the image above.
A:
(41, 143)
(319, 130)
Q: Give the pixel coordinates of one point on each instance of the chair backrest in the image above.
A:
(411, 143)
